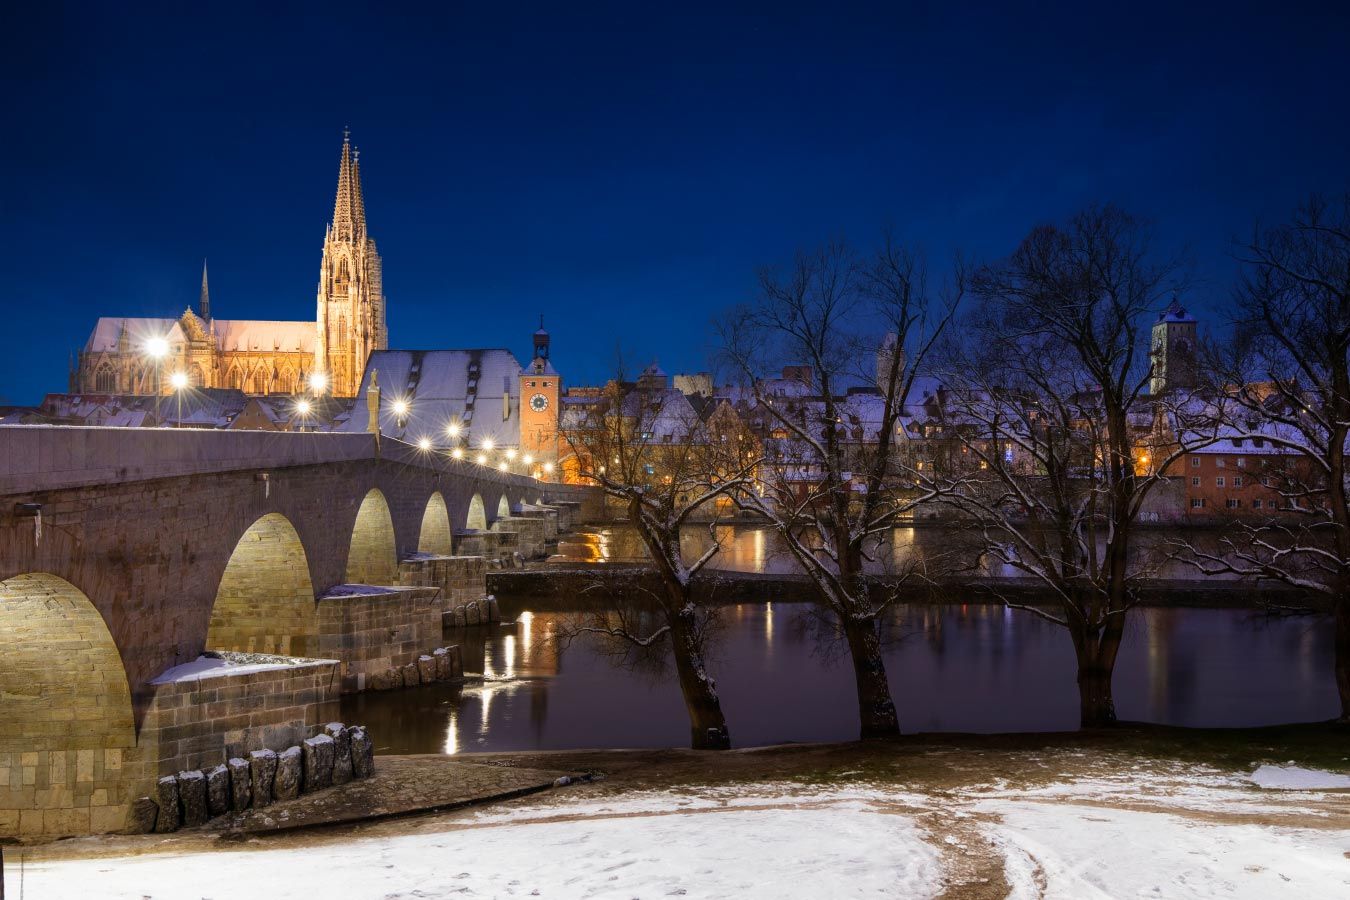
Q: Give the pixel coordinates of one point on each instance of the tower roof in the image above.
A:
(349, 212)
(1175, 312)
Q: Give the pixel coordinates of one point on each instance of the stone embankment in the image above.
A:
(335, 756)
(555, 586)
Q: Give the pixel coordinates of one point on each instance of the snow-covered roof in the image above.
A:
(231, 334)
(438, 387)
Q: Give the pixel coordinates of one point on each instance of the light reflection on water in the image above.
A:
(978, 668)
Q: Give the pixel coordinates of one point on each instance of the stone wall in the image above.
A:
(460, 578)
(372, 632)
(498, 545)
(199, 721)
(531, 531)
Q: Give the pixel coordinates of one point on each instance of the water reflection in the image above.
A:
(979, 668)
(936, 550)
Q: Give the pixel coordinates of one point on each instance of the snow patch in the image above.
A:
(1296, 778)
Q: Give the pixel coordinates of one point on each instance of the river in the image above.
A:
(977, 668)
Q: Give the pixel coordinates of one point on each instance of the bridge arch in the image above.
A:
(68, 722)
(503, 507)
(373, 557)
(434, 536)
(477, 518)
(265, 601)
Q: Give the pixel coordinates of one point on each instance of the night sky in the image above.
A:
(620, 171)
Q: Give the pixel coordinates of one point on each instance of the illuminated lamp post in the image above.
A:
(157, 348)
(179, 382)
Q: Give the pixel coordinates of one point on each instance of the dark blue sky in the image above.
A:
(619, 170)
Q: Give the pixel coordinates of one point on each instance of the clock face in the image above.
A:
(538, 403)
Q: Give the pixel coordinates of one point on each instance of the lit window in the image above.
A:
(1242, 462)
(1218, 482)
(1197, 503)
(1195, 462)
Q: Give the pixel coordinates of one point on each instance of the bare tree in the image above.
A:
(1049, 379)
(655, 458)
(1287, 379)
(833, 481)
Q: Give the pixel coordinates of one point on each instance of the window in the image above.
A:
(1237, 481)
(1257, 503)
(1195, 462)
(1258, 442)
(1218, 482)
(1197, 503)
(1195, 481)
(1242, 462)
(1218, 462)
(1007, 455)
(1232, 503)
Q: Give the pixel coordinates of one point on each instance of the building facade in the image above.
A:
(143, 355)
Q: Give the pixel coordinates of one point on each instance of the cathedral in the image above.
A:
(327, 355)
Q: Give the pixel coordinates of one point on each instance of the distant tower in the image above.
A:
(204, 301)
(885, 358)
(351, 322)
(1173, 350)
(540, 390)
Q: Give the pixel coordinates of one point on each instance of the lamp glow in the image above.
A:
(510, 452)
(527, 459)
(548, 468)
(502, 465)
(157, 347)
(482, 459)
(487, 443)
(400, 407)
(452, 430)
(318, 381)
(424, 443)
(178, 380)
(457, 453)
(302, 407)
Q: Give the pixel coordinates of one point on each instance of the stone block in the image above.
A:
(363, 752)
(426, 669)
(289, 770)
(410, 676)
(166, 792)
(319, 752)
(456, 662)
(472, 614)
(241, 784)
(192, 795)
(494, 612)
(342, 751)
(442, 658)
(218, 791)
(262, 767)
(461, 616)
(142, 815)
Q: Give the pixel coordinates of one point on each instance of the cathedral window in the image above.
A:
(105, 381)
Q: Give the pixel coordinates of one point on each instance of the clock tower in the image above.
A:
(540, 393)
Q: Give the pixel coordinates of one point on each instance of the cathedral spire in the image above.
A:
(344, 213)
(204, 301)
(358, 200)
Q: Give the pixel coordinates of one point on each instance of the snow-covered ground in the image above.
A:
(1178, 832)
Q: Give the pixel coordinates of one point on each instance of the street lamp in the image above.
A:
(482, 459)
(452, 430)
(424, 444)
(457, 453)
(318, 382)
(157, 348)
(487, 444)
(179, 382)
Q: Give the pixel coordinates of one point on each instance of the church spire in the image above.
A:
(204, 301)
(344, 212)
(358, 201)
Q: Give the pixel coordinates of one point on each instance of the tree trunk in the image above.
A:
(1096, 666)
(1342, 644)
(876, 709)
(707, 725)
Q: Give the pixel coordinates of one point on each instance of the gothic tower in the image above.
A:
(540, 399)
(351, 297)
(1173, 352)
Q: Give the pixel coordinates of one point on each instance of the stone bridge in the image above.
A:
(125, 553)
